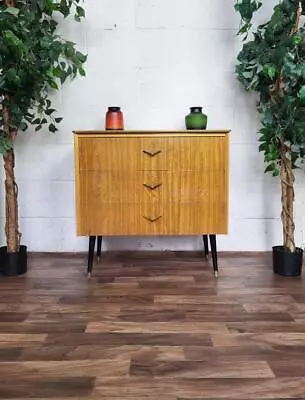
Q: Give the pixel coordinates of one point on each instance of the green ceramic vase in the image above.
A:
(196, 119)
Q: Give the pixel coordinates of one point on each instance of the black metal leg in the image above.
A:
(214, 253)
(92, 240)
(206, 245)
(99, 247)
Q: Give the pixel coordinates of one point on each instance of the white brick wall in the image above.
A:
(154, 58)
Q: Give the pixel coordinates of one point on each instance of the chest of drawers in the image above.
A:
(151, 183)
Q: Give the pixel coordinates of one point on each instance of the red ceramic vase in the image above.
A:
(114, 119)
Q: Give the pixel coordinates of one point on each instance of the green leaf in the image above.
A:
(301, 93)
(53, 85)
(248, 74)
(296, 40)
(80, 11)
(13, 11)
(270, 70)
(6, 144)
(52, 128)
(276, 172)
(64, 8)
(58, 120)
(23, 126)
(50, 111)
(270, 168)
(82, 71)
(81, 57)
(295, 148)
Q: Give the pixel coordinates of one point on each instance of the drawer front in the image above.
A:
(154, 219)
(115, 187)
(152, 154)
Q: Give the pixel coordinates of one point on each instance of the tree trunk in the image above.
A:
(11, 189)
(283, 200)
(287, 185)
(11, 204)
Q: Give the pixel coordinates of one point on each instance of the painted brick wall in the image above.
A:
(154, 58)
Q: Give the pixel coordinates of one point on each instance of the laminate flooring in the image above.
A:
(152, 326)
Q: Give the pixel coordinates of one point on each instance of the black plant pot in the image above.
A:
(13, 264)
(286, 263)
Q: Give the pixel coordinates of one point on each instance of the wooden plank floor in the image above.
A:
(152, 327)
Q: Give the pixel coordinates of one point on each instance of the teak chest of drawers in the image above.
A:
(151, 183)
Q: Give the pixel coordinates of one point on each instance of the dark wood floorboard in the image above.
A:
(151, 326)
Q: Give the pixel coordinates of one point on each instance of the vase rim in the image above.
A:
(194, 108)
(114, 108)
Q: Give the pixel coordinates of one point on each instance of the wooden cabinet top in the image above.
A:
(144, 133)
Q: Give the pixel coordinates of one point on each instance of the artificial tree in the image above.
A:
(272, 63)
(34, 60)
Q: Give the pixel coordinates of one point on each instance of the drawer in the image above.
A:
(104, 187)
(152, 154)
(151, 219)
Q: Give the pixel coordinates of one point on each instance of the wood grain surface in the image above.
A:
(152, 326)
(151, 184)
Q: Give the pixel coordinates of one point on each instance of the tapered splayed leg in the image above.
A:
(214, 253)
(206, 245)
(99, 248)
(92, 240)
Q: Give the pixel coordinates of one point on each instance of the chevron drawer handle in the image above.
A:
(153, 219)
(152, 187)
(148, 153)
